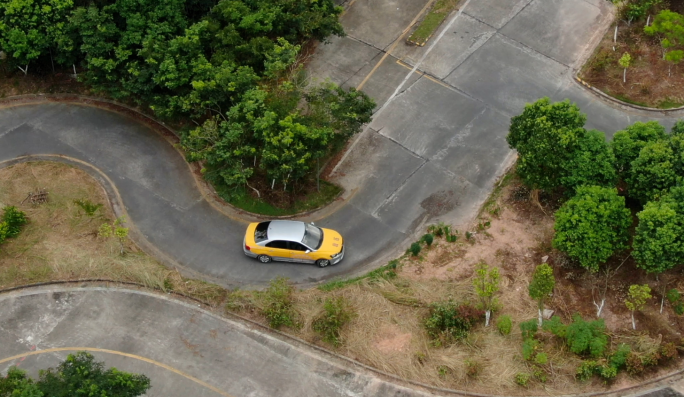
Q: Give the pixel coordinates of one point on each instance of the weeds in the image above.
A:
(278, 304)
(89, 208)
(337, 313)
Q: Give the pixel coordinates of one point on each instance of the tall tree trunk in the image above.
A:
(539, 319)
(488, 315)
(633, 323)
(624, 76)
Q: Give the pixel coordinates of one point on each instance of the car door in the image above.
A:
(298, 252)
(277, 249)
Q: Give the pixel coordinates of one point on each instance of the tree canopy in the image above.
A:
(78, 375)
(554, 149)
(592, 225)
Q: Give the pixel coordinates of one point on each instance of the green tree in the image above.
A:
(78, 375)
(486, 283)
(592, 225)
(636, 299)
(31, 29)
(541, 286)
(669, 26)
(653, 172)
(592, 163)
(627, 143)
(545, 135)
(625, 61)
(659, 236)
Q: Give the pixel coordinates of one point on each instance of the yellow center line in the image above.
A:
(427, 76)
(94, 349)
(401, 36)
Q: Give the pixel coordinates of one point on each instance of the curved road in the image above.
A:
(432, 152)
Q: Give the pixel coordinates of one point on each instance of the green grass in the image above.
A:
(633, 102)
(328, 193)
(669, 104)
(427, 27)
(385, 272)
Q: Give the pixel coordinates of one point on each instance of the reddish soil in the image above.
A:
(651, 80)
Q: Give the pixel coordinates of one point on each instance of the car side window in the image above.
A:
(295, 246)
(277, 244)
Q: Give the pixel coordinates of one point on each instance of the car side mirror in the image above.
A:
(307, 251)
(312, 223)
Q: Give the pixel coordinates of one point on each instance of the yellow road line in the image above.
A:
(407, 66)
(94, 349)
(401, 36)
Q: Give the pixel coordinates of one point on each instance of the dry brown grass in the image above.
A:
(61, 242)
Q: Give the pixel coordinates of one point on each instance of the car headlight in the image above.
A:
(337, 255)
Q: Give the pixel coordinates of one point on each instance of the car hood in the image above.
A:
(332, 242)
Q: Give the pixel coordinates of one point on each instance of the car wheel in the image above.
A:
(323, 262)
(264, 258)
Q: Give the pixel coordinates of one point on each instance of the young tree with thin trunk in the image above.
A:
(636, 299)
(625, 62)
(541, 286)
(486, 283)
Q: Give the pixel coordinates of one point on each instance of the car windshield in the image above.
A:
(313, 236)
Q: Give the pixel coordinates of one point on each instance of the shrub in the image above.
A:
(528, 328)
(522, 378)
(607, 372)
(437, 230)
(88, 207)
(541, 359)
(634, 364)
(540, 374)
(472, 368)
(555, 326)
(4, 231)
(415, 249)
(428, 239)
(278, 304)
(504, 324)
(448, 321)
(675, 299)
(14, 219)
(587, 337)
(337, 313)
(529, 348)
(668, 351)
(586, 370)
(619, 358)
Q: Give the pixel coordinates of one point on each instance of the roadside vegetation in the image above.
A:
(639, 59)
(427, 27)
(422, 316)
(228, 74)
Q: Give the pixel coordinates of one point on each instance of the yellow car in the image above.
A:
(293, 241)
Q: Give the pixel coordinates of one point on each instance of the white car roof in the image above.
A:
(286, 230)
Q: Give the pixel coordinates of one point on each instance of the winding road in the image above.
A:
(433, 151)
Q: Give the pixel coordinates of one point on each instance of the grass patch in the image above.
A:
(386, 272)
(61, 242)
(628, 100)
(328, 193)
(434, 18)
(669, 104)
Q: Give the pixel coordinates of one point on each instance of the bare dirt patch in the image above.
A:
(651, 80)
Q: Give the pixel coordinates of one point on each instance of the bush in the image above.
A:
(415, 249)
(634, 365)
(586, 370)
(541, 359)
(428, 239)
(337, 313)
(587, 337)
(448, 321)
(504, 324)
(14, 219)
(555, 326)
(619, 358)
(528, 328)
(473, 368)
(4, 231)
(529, 348)
(278, 307)
(607, 372)
(88, 207)
(668, 351)
(522, 378)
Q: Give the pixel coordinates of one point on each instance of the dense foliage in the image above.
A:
(592, 225)
(231, 66)
(582, 337)
(449, 321)
(554, 149)
(659, 237)
(11, 222)
(78, 375)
